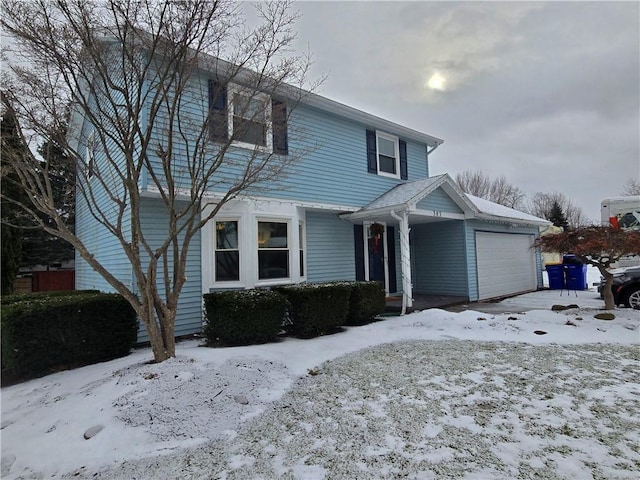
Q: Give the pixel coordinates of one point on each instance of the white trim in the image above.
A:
(385, 256)
(234, 89)
(302, 247)
(152, 191)
(215, 249)
(90, 153)
(439, 214)
(396, 151)
(248, 213)
(256, 248)
(365, 118)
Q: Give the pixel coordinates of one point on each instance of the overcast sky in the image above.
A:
(545, 93)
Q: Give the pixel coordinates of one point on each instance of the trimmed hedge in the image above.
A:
(316, 309)
(22, 297)
(47, 333)
(367, 300)
(244, 317)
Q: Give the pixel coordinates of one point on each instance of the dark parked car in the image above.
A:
(626, 287)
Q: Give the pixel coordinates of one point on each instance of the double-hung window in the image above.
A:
(388, 155)
(250, 118)
(227, 253)
(301, 247)
(273, 250)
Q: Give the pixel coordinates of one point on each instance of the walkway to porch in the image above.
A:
(423, 302)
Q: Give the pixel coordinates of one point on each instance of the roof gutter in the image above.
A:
(434, 147)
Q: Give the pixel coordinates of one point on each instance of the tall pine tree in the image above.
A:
(557, 216)
(11, 245)
(38, 246)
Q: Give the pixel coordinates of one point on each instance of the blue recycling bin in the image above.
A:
(556, 276)
(576, 276)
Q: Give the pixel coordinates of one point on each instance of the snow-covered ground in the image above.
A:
(433, 394)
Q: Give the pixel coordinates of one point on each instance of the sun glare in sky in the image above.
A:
(436, 82)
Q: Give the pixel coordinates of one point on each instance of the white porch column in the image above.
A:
(405, 260)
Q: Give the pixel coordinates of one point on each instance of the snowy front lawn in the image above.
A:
(433, 394)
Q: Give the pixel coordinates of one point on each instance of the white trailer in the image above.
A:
(622, 212)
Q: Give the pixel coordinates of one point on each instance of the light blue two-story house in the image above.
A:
(360, 204)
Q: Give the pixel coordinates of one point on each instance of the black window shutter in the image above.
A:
(402, 145)
(279, 118)
(358, 242)
(218, 122)
(372, 160)
(391, 252)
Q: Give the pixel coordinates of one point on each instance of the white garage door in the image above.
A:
(506, 264)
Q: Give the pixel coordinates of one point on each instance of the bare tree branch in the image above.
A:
(498, 190)
(132, 77)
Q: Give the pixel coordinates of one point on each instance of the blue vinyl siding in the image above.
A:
(474, 226)
(155, 227)
(439, 256)
(336, 170)
(440, 201)
(104, 246)
(331, 151)
(330, 248)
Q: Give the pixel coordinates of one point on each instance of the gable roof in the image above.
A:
(410, 193)
(405, 196)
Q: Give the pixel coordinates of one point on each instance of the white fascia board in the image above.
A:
(375, 212)
(152, 191)
(451, 189)
(514, 221)
(342, 110)
(458, 196)
(447, 215)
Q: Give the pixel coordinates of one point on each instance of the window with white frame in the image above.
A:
(388, 155)
(90, 154)
(273, 250)
(227, 251)
(301, 246)
(250, 117)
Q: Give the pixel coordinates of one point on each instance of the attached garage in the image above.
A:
(506, 264)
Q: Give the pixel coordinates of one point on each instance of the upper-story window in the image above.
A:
(386, 155)
(250, 119)
(388, 158)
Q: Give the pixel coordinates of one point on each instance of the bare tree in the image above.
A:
(497, 190)
(631, 188)
(542, 205)
(136, 81)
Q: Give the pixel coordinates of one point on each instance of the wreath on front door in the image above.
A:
(376, 229)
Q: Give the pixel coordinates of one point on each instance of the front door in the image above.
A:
(376, 249)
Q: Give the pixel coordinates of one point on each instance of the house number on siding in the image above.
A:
(437, 213)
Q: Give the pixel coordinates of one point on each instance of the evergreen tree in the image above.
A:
(38, 246)
(11, 246)
(557, 216)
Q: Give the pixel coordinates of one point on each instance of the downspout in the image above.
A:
(405, 260)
